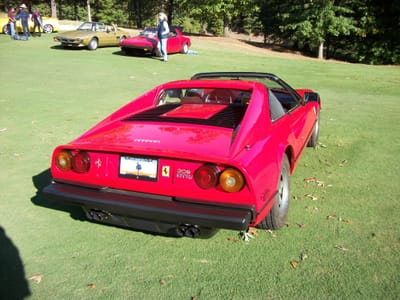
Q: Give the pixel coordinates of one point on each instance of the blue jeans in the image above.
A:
(25, 28)
(11, 26)
(163, 49)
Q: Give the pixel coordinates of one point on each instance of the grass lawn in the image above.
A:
(342, 240)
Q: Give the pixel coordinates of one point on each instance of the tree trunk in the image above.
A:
(203, 27)
(321, 51)
(53, 8)
(226, 26)
(89, 15)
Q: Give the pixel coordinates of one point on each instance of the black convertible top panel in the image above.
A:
(229, 117)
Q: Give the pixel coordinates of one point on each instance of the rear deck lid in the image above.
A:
(189, 131)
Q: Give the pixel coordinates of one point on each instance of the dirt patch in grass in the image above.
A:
(251, 44)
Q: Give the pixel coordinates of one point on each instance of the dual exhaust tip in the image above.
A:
(183, 230)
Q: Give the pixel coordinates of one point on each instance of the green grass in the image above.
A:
(343, 232)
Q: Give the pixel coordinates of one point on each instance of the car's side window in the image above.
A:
(275, 107)
(172, 33)
(286, 99)
(170, 96)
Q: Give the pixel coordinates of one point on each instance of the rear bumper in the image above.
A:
(148, 212)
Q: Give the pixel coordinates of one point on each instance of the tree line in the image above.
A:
(365, 31)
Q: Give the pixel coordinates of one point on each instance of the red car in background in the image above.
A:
(146, 42)
(193, 155)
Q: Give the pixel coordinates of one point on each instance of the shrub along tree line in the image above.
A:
(366, 31)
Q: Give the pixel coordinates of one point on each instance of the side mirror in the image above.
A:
(311, 97)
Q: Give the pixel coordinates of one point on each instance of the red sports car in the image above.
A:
(146, 42)
(191, 156)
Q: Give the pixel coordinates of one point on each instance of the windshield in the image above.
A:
(223, 96)
(149, 31)
(286, 95)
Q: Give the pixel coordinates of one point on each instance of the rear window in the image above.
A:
(222, 96)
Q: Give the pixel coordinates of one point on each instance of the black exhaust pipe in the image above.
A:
(188, 230)
(97, 215)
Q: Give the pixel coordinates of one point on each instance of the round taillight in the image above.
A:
(206, 176)
(63, 161)
(81, 162)
(231, 180)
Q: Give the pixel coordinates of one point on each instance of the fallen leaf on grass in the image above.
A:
(310, 179)
(272, 234)
(345, 221)
(303, 256)
(314, 180)
(330, 217)
(246, 236)
(91, 286)
(163, 282)
(343, 162)
(36, 278)
(342, 248)
(253, 231)
(232, 239)
(294, 264)
(3, 129)
(311, 196)
(301, 225)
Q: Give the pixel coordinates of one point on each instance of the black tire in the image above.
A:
(278, 213)
(93, 44)
(313, 141)
(185, 48)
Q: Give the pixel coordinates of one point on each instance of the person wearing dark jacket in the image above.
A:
(162, 34)
(23, 15)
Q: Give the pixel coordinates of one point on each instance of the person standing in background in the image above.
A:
(37, 22)
(162, 34)
(11, 22)
(23, 15)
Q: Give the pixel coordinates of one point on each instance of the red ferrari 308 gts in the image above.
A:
(192, 156)
(146, 42)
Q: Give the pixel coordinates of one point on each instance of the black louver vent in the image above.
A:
(230, 117)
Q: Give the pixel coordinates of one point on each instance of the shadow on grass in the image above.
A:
(65, 48)
(13, 283)
(40, 181)
(138, 54)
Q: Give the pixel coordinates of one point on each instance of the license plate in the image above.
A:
(142, 168)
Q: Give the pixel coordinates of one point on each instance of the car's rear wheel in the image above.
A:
(185, 48)
(5, 29)
(313, 141)
(47, 28)
(93, 44)
(278, 213)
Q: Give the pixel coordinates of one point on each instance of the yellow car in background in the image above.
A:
(49, 25)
